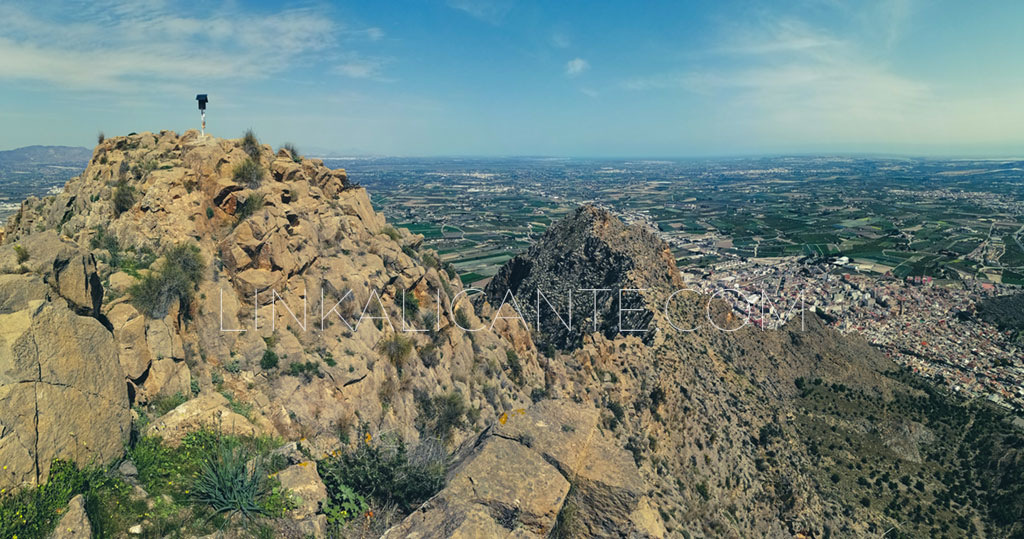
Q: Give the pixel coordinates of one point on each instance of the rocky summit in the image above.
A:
(192, 307)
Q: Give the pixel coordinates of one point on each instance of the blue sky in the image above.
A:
(503, 77)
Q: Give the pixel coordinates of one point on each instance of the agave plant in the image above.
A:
(229, 483)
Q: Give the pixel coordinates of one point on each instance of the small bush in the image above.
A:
(249, 172)
(249, 206)
(439, 416)
(412, 305)
(390, 232)
(515, 367)
(385, 474)
(307, 370)
(100, 137)
(290, 148)
(618, 414)
(251, 145)
(430, 355)
(462, 319)
(344, 505)
(396, 348)
(176, 279)
(21, 253)
(429, 260)
(269, 360)
(209, 213)
(124, 197)
(162, 405)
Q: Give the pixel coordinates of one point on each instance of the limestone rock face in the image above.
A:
(76, 280)
(304, 482)
(62, 391)
(515, 478)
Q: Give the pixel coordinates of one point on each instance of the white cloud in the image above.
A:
(560, 40)
(490, 11)
(360, 67)
(576, 66)
(786, 79)
(115, 46)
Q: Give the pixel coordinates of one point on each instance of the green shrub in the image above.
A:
(176, 279)
(162, 405)
(385, 474)
(21, 253)
(396, 348)
(307, 370)
(251, 145)
(100, 137)
(390, 232)
(249, 172)
(430, 355)
(290, 148)
(196, 473)
(462, 319)
(249, 206)
(515, 367)
(412, 305)
(440, 415)
(209, 213)
(124, 197)
(429, 260)
(344, 505)
(269, 360)
(618, 414)
(33, 512)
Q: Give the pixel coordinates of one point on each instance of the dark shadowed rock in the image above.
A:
(590, 249)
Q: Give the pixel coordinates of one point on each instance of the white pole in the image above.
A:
(203, 131)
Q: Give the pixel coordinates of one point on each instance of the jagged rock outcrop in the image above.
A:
(62, 393)
(294, 328)
(516, 477)
(606, 267)
(290, 263)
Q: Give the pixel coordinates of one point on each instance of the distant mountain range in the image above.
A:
(46, 155)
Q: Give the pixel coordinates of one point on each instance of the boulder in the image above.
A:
(62, 392)
(130, 331)
(515, 478)
(76, 280)
(166, 378)
(503, 488)
(120, 282)
(304, 482)
(207, 410)
(74, 524)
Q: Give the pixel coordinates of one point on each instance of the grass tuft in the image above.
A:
(176, 279)
(251, 145)
(249, 172)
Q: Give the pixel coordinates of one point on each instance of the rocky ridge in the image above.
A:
(663, 433)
